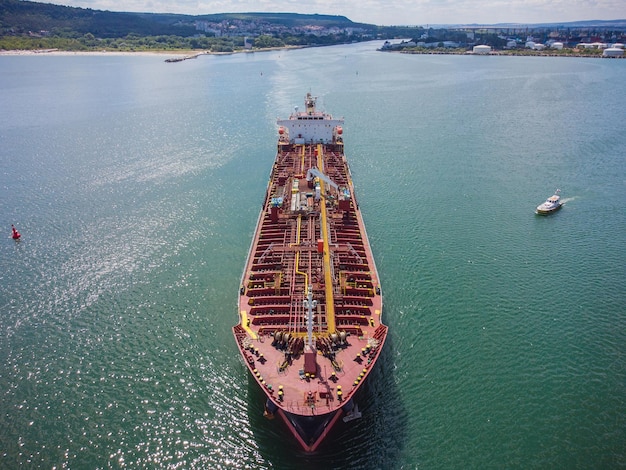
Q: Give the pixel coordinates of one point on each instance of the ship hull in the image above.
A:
(310, 303)
(309, 432)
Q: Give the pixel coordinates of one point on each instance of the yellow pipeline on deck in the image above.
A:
(328, 280)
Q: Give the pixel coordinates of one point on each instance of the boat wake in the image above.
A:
(568, 199)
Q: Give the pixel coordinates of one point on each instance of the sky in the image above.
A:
(385, 12)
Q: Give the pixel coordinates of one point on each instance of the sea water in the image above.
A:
(136, 185)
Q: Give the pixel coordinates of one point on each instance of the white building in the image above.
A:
(592, 45)
(613, 52)
(481, 49)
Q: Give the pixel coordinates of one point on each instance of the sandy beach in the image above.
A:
(57, 52)
(177, 54)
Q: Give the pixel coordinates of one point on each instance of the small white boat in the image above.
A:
(552, 204)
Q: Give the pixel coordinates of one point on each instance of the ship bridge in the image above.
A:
(311, 125)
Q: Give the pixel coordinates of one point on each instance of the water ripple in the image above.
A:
(137, 205)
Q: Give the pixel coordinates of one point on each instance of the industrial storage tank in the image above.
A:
(481, 50)
(613, 52)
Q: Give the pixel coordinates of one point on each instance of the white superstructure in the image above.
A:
(310, 125)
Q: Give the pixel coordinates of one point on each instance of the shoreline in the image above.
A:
(57, 52)
(505, 54)
(179, 54)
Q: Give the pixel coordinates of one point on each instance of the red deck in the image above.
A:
(310, 238)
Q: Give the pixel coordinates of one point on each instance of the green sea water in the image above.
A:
(136, 185)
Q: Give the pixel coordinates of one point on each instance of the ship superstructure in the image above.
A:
(310, 301)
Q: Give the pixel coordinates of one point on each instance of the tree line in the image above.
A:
(137, 43)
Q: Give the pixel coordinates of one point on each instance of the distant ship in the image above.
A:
(310, 303)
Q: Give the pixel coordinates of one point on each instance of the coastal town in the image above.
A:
(581, 42)
(31, 26)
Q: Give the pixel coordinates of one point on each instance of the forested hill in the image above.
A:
(290, 20)
(20, 17)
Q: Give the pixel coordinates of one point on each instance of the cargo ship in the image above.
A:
(310, 303)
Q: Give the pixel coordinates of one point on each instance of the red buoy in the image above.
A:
(15, 235)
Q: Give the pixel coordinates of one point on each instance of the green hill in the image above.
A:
(22, 17)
